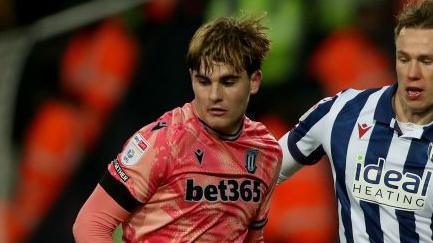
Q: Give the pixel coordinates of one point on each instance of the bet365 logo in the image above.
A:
(390, 187)
(226, 190)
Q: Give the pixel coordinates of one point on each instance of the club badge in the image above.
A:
(250, 160)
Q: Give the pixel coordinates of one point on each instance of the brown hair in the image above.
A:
(415, 15)
(241, 43)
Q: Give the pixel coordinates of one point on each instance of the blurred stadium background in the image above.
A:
(77, 78)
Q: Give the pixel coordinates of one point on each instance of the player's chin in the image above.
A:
(216, 123)
(420, 107)
(220, 125)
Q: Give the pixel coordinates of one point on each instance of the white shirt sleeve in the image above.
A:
(303, 144)
(289, 165)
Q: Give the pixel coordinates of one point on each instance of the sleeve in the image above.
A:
(303, 144)
(140, 168)
(98, 218)
(289, 165)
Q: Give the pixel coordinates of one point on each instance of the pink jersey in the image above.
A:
(185, 182)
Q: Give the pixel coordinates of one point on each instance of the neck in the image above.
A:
(230, 134)
(405, 114)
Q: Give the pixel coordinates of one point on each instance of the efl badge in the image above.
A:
(250, 160)
(133, 151)
(430, 152)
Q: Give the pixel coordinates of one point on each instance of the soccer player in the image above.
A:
(203, 172)
(379, 142)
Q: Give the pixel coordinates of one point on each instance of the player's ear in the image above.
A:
(255, 81)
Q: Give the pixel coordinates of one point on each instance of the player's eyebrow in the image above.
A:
(399, 52)
(201, 76)
(421, 56)
(229, 76)
(223, 77)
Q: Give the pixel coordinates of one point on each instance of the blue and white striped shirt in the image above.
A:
(382, 176)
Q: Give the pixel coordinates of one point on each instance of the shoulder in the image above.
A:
(353, 99)
(160, 136)
(175, 119)
(356, 94)
(264, 147)
(258, 134)
(175, 128)
(257, 130)
(333, 104)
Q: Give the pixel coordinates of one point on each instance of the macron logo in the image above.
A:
(362, 129)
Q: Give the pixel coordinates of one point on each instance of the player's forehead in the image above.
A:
(415, 40)
(217, 69)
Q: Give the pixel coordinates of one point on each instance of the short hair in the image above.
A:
(415, 15)
(241, 43)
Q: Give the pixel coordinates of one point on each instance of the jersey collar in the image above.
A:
(223, 136)
(385, 113)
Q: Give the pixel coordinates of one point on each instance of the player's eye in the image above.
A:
(427, 61)
(203, 81)
(228, 82)
(403, 59)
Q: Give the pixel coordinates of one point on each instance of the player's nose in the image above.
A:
(215, 92)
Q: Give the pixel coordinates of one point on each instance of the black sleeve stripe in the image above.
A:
(258, 224)
(119, 192)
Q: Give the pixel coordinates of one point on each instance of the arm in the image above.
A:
(289, 165)
(303, 144)
(254, 235)
(98, 218)
(127, 183)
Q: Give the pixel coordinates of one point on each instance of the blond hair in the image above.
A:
(241, 43)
